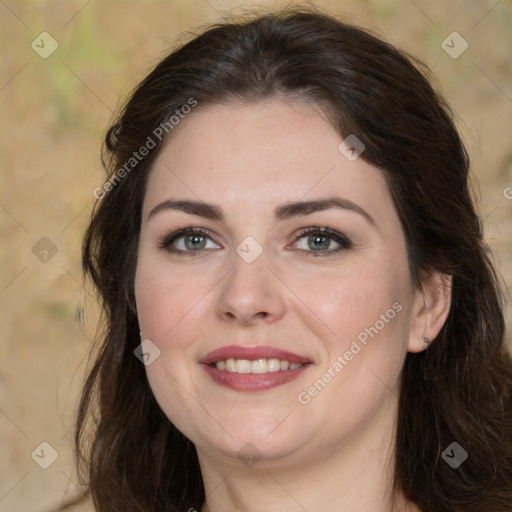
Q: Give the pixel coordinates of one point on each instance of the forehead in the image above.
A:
(256, 154)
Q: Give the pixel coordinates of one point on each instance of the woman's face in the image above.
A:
(277, 340)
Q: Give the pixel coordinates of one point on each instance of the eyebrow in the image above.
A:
(282, 212)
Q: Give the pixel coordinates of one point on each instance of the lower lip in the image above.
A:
(253, 381)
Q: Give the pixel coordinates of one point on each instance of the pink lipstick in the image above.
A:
(253, 368)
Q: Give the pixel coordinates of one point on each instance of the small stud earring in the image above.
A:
(140, 334)
(427, 343)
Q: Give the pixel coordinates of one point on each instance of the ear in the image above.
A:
(431, 306)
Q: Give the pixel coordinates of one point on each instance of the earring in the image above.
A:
(425, 362)
(140, 334)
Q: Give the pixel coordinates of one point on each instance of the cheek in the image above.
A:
(366, 310)
(354, 298)
(364, 352)
(168, 308)
(165, 298)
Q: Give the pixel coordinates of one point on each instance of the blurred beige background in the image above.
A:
(54, 112)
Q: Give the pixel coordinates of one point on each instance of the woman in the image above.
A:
(300, 310)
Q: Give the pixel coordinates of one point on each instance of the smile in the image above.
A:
(256, 366)
(253, 368)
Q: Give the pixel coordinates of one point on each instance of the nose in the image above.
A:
(251, 292)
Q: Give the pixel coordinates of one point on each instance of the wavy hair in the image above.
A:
(459, 390)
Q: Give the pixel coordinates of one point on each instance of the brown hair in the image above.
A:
(459, 390)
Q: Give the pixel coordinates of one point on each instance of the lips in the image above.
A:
(253, 368)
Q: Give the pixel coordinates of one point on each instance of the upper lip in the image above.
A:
(252, 353)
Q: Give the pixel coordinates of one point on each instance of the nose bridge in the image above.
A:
(250, 288)
(248, 264)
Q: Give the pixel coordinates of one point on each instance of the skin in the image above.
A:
(334, 453)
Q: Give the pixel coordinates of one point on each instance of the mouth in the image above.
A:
(253, 368)
(256, 366)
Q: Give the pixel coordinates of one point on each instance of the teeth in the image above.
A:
(273, 365)
(243, 366)
(259, 366)
(230, 365)
(256, 366)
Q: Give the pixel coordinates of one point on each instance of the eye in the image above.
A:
(319, 241)
(187, 240)
(313, 241)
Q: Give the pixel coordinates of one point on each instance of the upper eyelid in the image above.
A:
(186, 231)
(298, 234)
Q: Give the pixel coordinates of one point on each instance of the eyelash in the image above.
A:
(342, 240)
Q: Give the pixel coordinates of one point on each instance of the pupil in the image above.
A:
(322, 245)
(194, 239)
